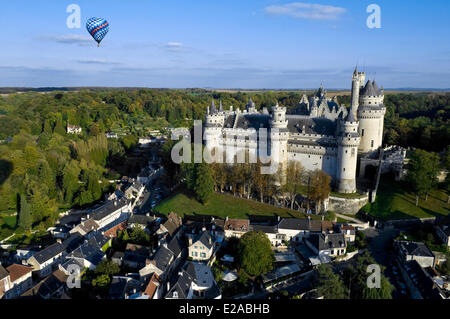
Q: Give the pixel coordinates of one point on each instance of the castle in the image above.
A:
(319, 133)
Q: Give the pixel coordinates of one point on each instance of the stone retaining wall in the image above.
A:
(346, 205)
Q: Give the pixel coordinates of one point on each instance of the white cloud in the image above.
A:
(301, 10)
(98, 61)
(67, 39)
(173, 46)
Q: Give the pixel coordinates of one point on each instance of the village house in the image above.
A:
(52, 287)
(153, 288)
(294, 229)
(443, 231)
(236, 227)
(327, 245)
(5, 281)
(348, 231)
(409, 250)
(135, 256)
(271, 232)
(43, 262)
(195, 281)
(110, 212)
(201, 246)
(170, 227)
(86, 228)
(20, 278)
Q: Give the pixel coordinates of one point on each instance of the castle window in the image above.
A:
(371, 144)
(344, 169)
(362, 132)
(346, 152)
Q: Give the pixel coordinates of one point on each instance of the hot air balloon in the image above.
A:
(98, 28)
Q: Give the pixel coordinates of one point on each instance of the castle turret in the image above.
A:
(371, 113)
(279, 136)
(348, 141)
(358, 79)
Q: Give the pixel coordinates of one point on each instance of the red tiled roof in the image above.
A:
(237, 224)
(152, 286)
(112, 232)
(17, 271)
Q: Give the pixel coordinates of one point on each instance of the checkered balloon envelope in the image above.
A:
(97, 28)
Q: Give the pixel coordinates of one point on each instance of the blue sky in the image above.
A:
(226, 44)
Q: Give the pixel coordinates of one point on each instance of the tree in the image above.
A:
(101, 282)
(255, 253)
(204, 183)
(328, 284)
(319, 188)
(107, 267)
(294, 172)
(355, 278)
(25, 217)
(422, 172)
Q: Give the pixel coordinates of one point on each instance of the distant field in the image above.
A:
(221, 206)
(395, 202)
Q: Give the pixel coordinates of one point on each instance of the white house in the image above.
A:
(44, 260)
(20, 280)
(201, 247)
(331, 245)
(294, 229)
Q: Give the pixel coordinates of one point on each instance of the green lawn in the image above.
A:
(7, 226)
(221, 205)
(394, 201)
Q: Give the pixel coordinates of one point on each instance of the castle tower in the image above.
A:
(214, 121)
(371, 113)
(348, 141)
(358, 79)
(279, 136)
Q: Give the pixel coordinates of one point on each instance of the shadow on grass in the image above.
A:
(6, 168)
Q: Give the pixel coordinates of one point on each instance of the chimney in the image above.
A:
(323, 218)
(190, 240)
(309, 218)
(226, 219)
(203, 228)
(168, 286)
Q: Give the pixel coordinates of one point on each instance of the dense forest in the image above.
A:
(44, 170)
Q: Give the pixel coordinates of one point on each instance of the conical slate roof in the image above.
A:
(212, 108)
(350, 117)
(371, 89)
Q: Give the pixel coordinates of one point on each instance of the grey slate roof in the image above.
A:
(320, 126)
(90, 252)
(294, 224)
(212, 108)
(108, 208)
(350, 117)
(163, 257)
(48, 253)
(415, 248)
(181, 287)
(255, 121)
(206, 239)
(370, 89)
(267, 229)
(329, 241)
(176, 245)
(141, 219)
(73, 242)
